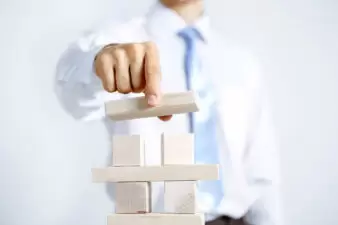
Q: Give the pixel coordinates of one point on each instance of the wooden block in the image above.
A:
(156, 219)
(137, 107)
(128, 150)
(132, 197)
(177, 149)
(179, 196)
(155, 173)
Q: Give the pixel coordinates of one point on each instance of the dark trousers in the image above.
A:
(224, 220)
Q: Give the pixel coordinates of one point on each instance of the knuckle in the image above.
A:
(119, 54)
(134, 47)
(150, 45)
(103, 58)
(135, 53)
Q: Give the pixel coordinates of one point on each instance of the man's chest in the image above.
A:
(173, 59)
(225, 70)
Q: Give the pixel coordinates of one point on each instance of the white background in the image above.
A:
(46, 157)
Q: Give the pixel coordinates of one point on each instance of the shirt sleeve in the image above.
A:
(262, 159)
(75, 83)
(263, 172)
(77, 87)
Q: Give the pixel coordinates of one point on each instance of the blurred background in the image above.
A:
(46, 156)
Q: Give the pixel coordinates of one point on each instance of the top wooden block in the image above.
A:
(133, 108)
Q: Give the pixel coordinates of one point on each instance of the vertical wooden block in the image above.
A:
(132, 197)
(179, 196)
(128, 150)
(177, 149)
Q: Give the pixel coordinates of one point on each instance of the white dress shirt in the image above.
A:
(250, 158)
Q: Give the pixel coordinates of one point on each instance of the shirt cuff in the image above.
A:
(78, 66)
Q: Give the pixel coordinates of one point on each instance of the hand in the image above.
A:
(131, 68)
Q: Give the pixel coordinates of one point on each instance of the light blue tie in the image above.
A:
(203, 123)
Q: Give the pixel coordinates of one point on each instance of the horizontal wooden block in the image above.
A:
(132, 197)
(156, 219)
(180, 197)
(128, 150)
(137, 107)
(156, 173)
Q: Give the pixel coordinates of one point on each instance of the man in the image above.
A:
(173, 49)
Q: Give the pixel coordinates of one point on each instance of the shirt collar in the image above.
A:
(164, 22)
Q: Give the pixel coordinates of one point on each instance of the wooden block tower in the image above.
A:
(132, 177)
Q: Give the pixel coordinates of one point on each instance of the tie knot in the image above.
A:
(190, 33)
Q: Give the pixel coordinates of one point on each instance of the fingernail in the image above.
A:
(152, 100)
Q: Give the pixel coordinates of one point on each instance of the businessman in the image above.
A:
(172, 49)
